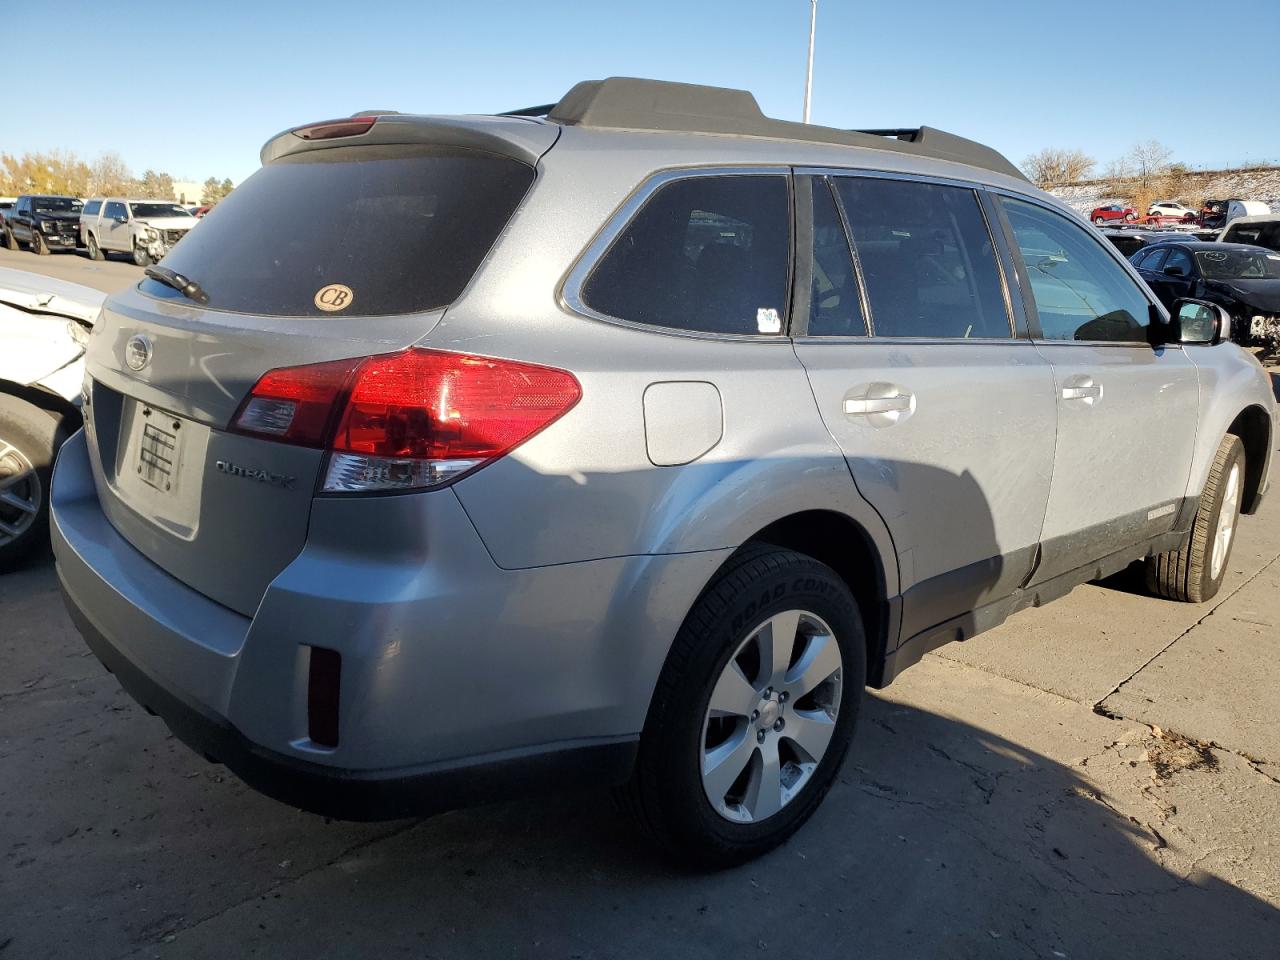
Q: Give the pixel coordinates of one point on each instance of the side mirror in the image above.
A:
(1175, 270)
(121, 219)
(1199, 322)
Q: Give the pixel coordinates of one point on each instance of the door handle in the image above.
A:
(878, 405)
(866, 406)
(1082, 387)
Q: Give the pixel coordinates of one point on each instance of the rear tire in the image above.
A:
(10, 240)
(1193, 573)
(29, 442)
(1099, 221)
(95, 252)
(793, 737)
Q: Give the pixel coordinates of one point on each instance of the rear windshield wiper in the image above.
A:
(184, 285)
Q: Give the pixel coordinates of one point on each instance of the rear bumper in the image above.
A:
(460, 681)
(362, 794)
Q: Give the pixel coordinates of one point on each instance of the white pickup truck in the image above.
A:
(144, 229)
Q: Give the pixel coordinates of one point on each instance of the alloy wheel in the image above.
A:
(1227, 518)
(771, 716)
(20, 493)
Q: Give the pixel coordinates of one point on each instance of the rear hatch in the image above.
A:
(327, 254)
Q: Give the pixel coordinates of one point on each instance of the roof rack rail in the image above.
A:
(909, 134)
(541, 111)
(634, 104)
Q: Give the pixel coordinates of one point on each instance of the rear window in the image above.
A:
(360, 231)
(1265, 234)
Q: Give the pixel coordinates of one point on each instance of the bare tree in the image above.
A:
(1053, 166)
(1149, 160)
(108, 175)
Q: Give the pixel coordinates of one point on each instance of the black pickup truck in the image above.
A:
(43, 223)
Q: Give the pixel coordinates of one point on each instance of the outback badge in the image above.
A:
(283, 481)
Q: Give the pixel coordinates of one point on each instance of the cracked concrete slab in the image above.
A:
(1220, 682)
(1088, 643)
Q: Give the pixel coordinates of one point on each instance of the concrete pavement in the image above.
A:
(106, 275)
(1098, 778)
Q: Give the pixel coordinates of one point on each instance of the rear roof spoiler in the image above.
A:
(630, 103)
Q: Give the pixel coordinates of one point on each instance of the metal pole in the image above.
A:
(808, 79)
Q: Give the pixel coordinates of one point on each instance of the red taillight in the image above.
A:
(328, 129)
(295, 404)
(407, 420)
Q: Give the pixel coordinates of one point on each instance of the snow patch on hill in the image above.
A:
(1256, 184)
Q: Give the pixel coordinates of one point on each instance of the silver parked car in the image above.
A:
(621, 441)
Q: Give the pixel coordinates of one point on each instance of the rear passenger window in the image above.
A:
(1080, 292)
(92, 207)
(927, 259)
(708, 254)
(834, 309)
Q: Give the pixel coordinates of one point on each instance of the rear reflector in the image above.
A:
(329, 129)
(324, 686)
(408, 420)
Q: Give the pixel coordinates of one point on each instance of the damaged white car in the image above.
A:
(144, 229)
(44, 326)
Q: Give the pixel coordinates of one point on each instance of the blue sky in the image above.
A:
(1017, 74)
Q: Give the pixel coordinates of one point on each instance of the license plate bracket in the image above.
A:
(158, 451)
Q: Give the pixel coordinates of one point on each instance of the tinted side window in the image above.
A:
(705, 253)
(1080, 292)
(1179, 258)
(834, 307)
(115, 209)
(92, 207)
(927, 259)
(1154, 259)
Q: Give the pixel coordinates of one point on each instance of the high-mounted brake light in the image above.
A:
(408, 420)
(328, 129)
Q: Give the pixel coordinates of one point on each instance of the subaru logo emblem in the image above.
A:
(137, 352)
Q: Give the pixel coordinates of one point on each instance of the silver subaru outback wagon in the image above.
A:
(622, 441)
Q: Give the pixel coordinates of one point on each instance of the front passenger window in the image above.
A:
(1080, 292)
(1181, 263)
(1154, 259)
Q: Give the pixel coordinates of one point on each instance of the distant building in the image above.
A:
(187, 191)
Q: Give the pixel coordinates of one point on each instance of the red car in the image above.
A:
(1113, 211)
